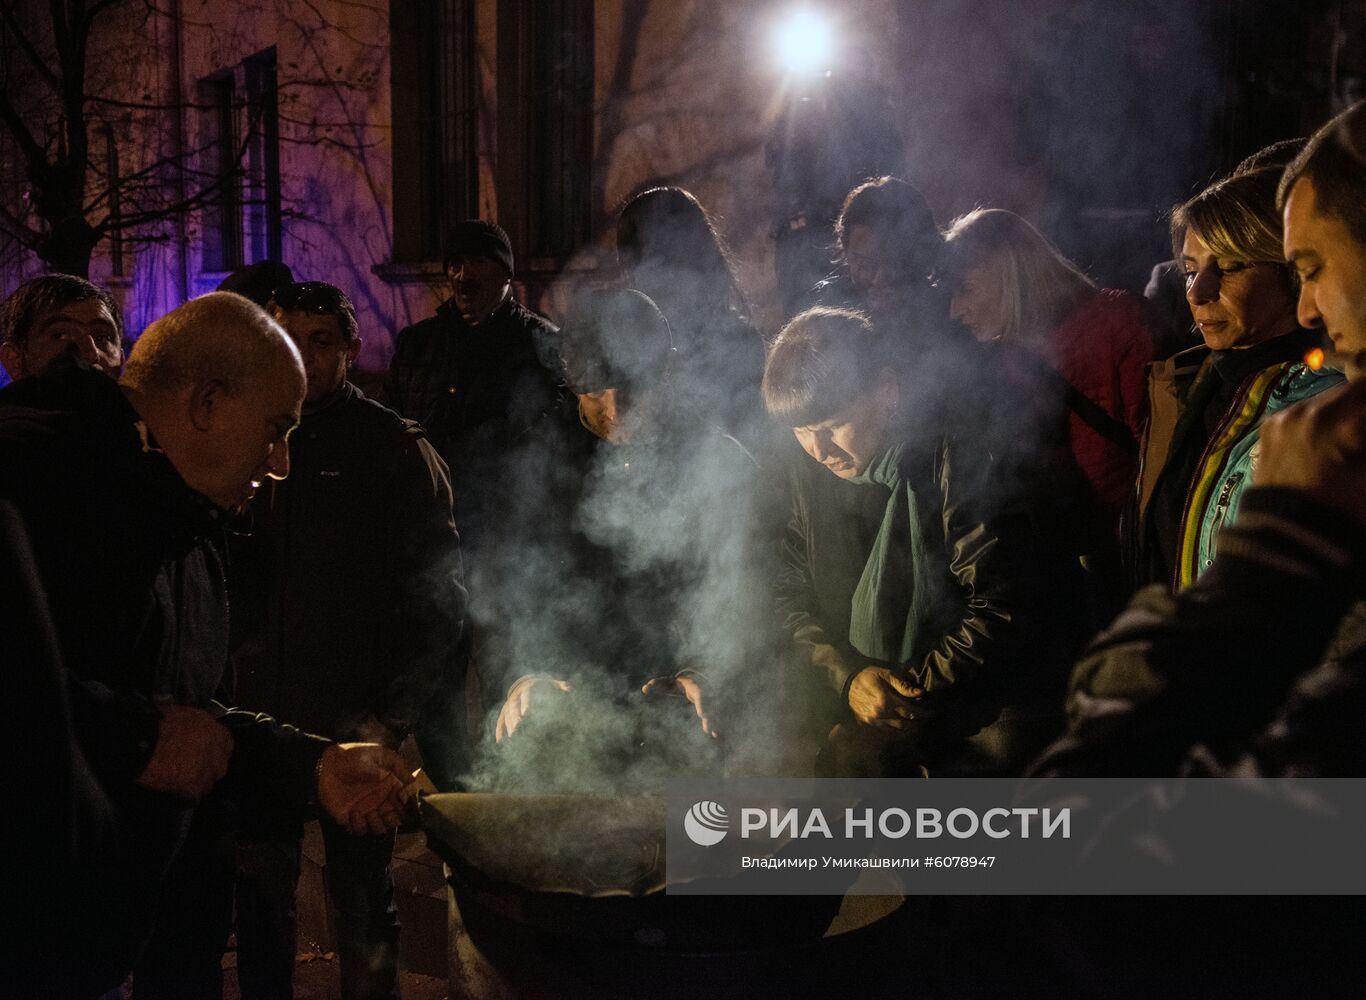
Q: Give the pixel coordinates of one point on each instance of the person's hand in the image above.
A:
(685, 685)
(191, 754)
(878, 697)
(371, 730)
(359, 785)
(519, 699)
(1319, 446)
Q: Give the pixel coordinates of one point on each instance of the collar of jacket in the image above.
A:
(1233, 366)
(344, 393)
(1180, 367)
(104, 428)
(450, 313)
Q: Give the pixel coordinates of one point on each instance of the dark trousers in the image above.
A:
(183, 959)
(359, 878)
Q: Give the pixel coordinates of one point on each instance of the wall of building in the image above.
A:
(691, 106)
(1087, 119)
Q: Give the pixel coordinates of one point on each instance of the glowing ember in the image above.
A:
(1315, 359)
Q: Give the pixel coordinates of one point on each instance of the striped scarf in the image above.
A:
(1243, 417)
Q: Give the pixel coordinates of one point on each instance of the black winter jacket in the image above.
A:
(1256, 668)
(993, 650)
(476, 391)
(131, 565)
(348, 599)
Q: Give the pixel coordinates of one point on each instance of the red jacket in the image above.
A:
(1104, 348)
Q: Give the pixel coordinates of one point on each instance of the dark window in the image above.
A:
(436, 169)
(219, 148)
(561, 127)
(240, 164)
(263, 157)
(545, 99)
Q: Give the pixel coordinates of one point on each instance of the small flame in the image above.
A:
(1315, 359)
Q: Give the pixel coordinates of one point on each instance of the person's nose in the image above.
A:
(277, 463)
(1307, 309)
(85, 347)
(1203, 286)
(820, 446)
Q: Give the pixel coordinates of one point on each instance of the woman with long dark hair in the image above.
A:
(668, 248)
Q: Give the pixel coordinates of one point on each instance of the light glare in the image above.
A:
(804, 43)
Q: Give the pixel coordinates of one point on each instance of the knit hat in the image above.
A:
(477, 238)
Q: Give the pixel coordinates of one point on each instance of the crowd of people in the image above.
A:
(964, 514)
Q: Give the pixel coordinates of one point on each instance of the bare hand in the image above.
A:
(1319, 446)
(533, 686)
(359, 786)
(878, 697)
(687, 686)
(191, 754)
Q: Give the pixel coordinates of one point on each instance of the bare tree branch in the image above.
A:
(17, 228)
(33, 152)
(30, 50)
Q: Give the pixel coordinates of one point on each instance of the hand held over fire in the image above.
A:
(524, 694)
(360, 786)
(687, 685)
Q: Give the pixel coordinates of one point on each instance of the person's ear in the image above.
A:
(352, 352)
(205, 401)
(13, 359)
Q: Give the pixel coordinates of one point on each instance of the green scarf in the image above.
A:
(888, 607)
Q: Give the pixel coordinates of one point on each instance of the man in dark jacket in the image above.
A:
(350, 604)
(928, 619)
(139, 610)
(476, 374)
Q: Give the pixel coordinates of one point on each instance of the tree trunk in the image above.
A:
(66, 249)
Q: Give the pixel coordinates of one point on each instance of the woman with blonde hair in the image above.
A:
(1207, 403)
(1081, 351)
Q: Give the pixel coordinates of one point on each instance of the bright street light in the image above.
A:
(805, 43)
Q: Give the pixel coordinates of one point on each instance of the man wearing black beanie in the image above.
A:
(477, 376)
